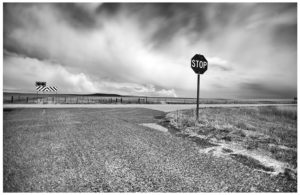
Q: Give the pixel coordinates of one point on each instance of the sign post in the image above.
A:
(198, 86)
(39, 85)
(199, 65)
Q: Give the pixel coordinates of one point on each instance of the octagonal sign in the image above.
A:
(199, 64)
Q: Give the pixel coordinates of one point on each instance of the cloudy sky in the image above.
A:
(146, 48)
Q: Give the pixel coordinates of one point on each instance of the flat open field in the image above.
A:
(160, 107)
(106, 149)
(52, 98)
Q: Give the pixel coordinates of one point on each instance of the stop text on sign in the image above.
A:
(198, 64)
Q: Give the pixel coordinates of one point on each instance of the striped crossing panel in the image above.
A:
(39, 88)
(46, 88)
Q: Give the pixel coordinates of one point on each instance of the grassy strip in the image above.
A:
(255, 128)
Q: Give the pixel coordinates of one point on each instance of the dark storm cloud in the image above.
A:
(12, 24)
(285, 35)
(169, 18)
(76, 15)
(172, 18)
(197, 18)
(109, 8)
(145, 48)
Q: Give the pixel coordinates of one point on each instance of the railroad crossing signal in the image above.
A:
(199, 65)
(40, 83)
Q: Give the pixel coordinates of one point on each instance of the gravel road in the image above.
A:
(84, 150)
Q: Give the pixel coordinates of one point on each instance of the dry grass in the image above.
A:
(271, 128)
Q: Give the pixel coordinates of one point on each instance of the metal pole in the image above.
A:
(198, 83)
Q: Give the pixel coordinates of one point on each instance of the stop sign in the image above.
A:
(199, 64)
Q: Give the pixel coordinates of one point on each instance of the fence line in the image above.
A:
(57, 99)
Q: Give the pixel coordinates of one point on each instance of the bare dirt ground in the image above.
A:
(107, 150)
